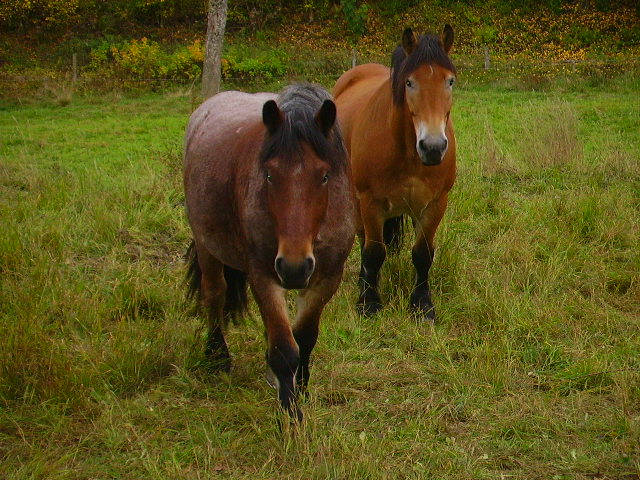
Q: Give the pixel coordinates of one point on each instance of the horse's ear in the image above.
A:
(409, 41)
(272, 116)
(326, 117)
(447, 38)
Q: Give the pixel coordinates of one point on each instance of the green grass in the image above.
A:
(531, 372)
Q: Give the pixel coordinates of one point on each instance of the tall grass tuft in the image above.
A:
(550, 137)
(61, 90)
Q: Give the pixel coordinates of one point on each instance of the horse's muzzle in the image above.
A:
(294, 275)
(432, 151)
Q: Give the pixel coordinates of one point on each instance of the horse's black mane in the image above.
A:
(428, 50)
(300, 103)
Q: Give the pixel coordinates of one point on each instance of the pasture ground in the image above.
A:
(531, 372)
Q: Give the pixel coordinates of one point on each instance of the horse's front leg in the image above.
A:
(310, 303)
(283, 357)
(372, 255)
(422, 256)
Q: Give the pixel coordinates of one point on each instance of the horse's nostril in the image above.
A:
(422, 146)
(279, 265)
(310, 264)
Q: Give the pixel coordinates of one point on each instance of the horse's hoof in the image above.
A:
(296, 415)
(217, 363)
(424, 314)
(429, 317)
(289, 421)
(370, 308)
(271, 378)
(217, 366)
(292, 411)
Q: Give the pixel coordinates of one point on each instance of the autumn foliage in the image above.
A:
(161, 39)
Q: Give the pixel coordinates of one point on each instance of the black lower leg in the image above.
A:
(372, 259)
(306, 340)
(284, 362)
(422, 256)
(302, 376)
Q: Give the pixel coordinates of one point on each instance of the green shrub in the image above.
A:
(240, 63)
(356, 18)
(629, 36)
(145, 59)
(579, 36)
(140, 59)
(485, 34)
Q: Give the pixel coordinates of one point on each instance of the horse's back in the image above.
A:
(359, 77)
(353, 90)
(221, 117)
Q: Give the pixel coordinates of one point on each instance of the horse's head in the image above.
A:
(297, 171)
(422, 79)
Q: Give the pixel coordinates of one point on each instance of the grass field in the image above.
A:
(531, 372)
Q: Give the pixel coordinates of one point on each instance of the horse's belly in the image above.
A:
(214, 223)
(229, 252)
(410, 198)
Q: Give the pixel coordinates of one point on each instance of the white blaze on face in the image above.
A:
(428, 137)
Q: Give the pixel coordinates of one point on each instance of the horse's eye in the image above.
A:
(269, 178)
(325, 179)
(452, 81)
(409, 83)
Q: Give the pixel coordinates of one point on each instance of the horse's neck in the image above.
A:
(396, 119)
(395, 124)
(402, 130)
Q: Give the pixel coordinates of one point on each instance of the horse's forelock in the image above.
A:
(300, 103)
(428, 50)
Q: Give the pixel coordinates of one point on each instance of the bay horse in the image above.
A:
(399, 133)
(270, 203)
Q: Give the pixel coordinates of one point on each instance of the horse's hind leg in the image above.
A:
(310, 302)
(372, 255)
(213, 288)
(236, 292)
(422, 256)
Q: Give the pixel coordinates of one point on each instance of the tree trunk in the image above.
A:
(216, 21)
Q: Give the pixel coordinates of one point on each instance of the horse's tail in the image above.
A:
(194, 274)
(236, 295)
(392, 233)
(235, 303)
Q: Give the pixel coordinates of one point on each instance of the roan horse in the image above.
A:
(269, 201)
(399, 133)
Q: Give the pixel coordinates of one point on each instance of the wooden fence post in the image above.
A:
(487, 62)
